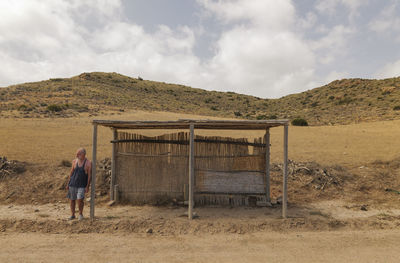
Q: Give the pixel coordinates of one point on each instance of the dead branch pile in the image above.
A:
(313, 174)
(104, 176)
(12, 167)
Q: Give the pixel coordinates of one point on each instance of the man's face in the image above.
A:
(80, 155)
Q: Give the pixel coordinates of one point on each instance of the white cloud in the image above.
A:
(309, 21)
(334, 75)
(330, 7)
(390, 70)
(387, 21)
(333, 44)
(260, 54)
(267, 13)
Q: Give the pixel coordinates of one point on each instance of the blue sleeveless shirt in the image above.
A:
(79, 177)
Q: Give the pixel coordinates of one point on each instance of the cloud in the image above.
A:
(387, 21)
(40, 39)
(267, 13)
(390, 70)
(259, 53)
(331, 7)
(333, 44)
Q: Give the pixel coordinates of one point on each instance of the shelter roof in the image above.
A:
(198, 124)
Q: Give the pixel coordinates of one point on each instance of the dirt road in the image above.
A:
(333, 246)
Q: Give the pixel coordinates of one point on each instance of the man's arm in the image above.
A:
(89, 176)
(70, 174)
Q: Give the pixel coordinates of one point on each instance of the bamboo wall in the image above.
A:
(156, 171)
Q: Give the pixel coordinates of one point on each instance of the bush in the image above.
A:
(66, 163)
(261, 117)
(272, 117)
(299, 122)
(208, 100)
(22, 107)
(346, 100)
(237, 113)
(396, 107)
(54, 108)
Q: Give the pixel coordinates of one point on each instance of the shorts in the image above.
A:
(76, 193)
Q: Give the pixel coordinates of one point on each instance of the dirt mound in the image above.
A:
(182, 226)
(103, 176)
(314, 175)
(10, 168)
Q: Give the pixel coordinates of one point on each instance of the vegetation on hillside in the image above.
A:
(340, 102)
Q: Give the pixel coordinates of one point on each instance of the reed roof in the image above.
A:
(198, 124)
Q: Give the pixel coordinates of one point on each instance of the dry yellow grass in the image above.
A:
(48, 141)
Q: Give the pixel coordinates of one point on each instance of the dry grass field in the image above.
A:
(51, 140)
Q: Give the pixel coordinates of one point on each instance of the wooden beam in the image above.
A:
(187, 142)
(267, 167)
(200, 124)
(93, 189)
(191, 172)
(113, 159)
(285, 171)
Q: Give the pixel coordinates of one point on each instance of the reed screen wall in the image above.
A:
(154, 170)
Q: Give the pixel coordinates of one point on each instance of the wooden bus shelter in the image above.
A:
(191, 125)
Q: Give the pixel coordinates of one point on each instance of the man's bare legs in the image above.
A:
(80, 205)
(72, 206)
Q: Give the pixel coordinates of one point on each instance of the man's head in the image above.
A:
(81, 154)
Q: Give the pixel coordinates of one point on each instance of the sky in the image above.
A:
(264, 48)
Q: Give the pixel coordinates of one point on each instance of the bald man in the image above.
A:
(79, 182)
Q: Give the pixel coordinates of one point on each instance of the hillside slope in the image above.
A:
(340, 102)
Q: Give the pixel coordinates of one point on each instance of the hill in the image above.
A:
(339, 102)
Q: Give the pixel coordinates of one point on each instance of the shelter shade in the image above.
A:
(198, 124)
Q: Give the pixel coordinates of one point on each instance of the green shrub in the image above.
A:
(208, 100)
(272, 117)
(237, 113)
(314, 104)
(66, 163)
(345, 100)
(261, 117)
(299, 122)
(22, 107)
(397, 107)
(54, 108)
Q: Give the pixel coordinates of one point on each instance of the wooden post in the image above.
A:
(113, 158)
(191, 172)
(285, 171)
(267, 167)
(93, 189)
(116, 194)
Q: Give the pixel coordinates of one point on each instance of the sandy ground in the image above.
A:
(340, 246)
(328, 231)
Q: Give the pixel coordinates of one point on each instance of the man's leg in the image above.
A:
(80, 205)
(72, 205)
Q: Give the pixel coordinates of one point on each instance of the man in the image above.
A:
(79, 182)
